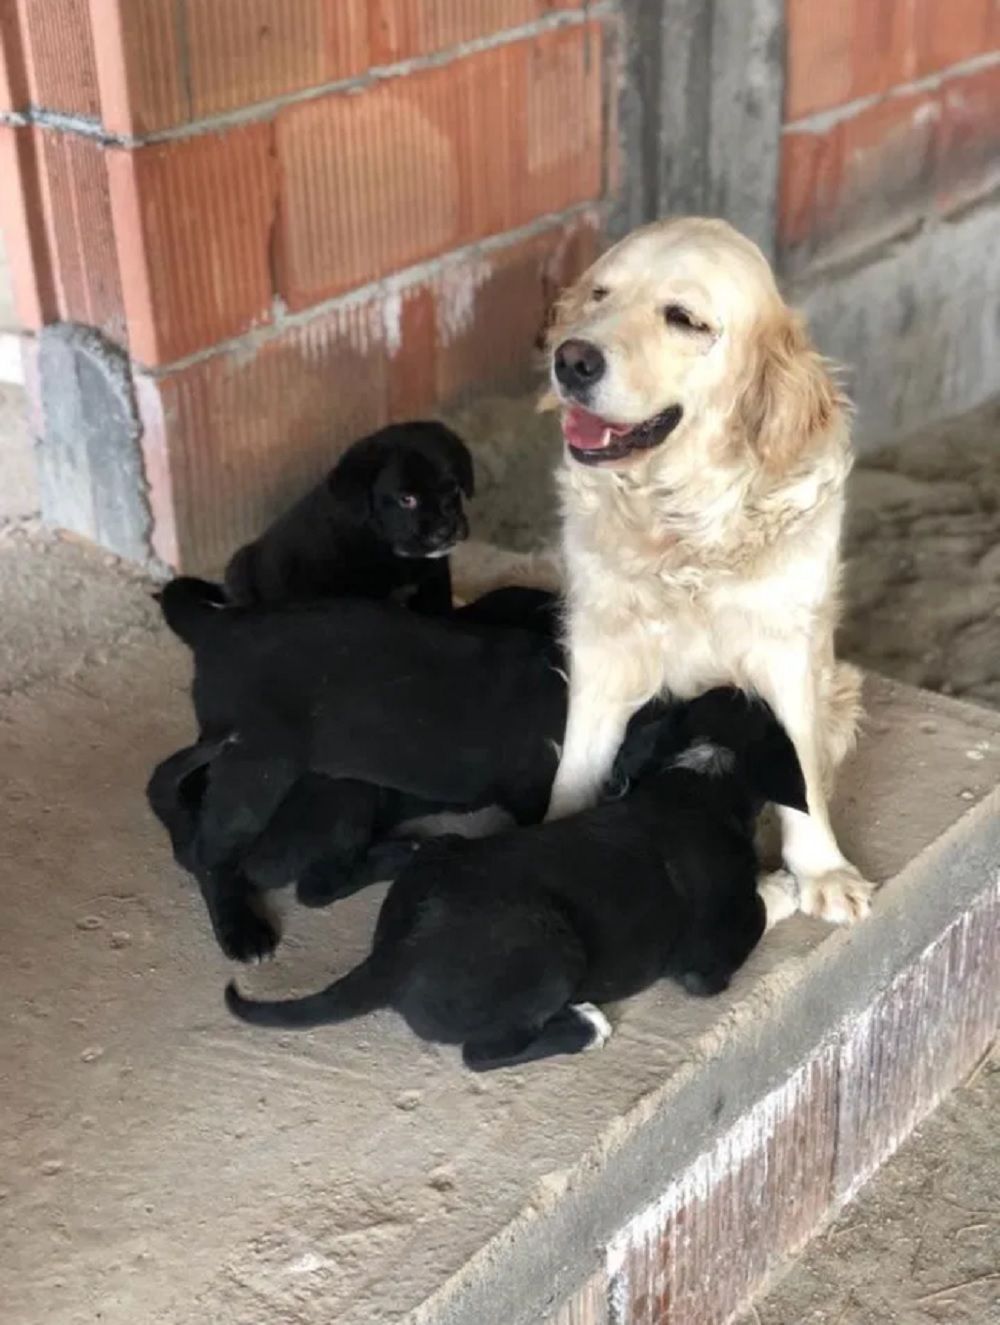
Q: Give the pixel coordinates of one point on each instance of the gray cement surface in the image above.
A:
(161, 1164)
(18, 478)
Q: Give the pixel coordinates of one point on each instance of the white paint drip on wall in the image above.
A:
(392, 321)
(457, 288)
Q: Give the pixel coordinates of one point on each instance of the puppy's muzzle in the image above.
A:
(579, 366)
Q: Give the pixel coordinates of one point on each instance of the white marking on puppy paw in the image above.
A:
(779, 894)
(840, 897)
(602, 1027)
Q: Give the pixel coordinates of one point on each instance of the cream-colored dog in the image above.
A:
(702, 492)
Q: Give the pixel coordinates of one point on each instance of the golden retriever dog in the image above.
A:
(702, 491)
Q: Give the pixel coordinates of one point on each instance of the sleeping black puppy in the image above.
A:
(322, 830)
(505, 944)
(414, 714)
(381, 524)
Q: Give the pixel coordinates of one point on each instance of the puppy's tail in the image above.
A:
(365, 989)
(190, 607)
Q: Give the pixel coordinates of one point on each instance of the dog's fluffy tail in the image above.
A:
(190, 606)
(365, 989)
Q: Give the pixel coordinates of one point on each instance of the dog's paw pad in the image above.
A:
(840, 897)
(779, 894)
(599, 1023)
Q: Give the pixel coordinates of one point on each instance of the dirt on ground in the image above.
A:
(921, 1244)
(922, 547)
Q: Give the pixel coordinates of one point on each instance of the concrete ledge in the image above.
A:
(173, 1167)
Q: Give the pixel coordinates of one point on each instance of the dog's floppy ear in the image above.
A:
(459, 460)
(649, 729)
(790, 398)
(773, 767)
(352, 478)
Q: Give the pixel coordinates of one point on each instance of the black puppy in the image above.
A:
(504, 944)
(380, 524)
(326, 837)
(414, 714)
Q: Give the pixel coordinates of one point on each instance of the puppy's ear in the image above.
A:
(790, 399)
(352, 479)
(648, 731)
(459, 461)
(773, 767)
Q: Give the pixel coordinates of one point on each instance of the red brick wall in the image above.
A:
(301, 218)
(892, 113)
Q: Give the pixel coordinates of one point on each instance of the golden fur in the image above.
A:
(713, 557)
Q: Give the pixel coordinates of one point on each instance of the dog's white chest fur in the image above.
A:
(696, 605)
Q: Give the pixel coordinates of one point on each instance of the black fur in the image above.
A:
(324, 727)
(379, 525)
(491, 943)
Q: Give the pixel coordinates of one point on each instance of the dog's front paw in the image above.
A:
(840, 896)
(244, 936)
(779, 894)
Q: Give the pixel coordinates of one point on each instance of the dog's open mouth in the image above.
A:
(593, 440)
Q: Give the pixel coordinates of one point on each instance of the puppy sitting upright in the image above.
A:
(504, 944)
(381, 524)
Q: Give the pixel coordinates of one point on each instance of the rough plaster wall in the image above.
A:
(91, 471)
(917, 324)
(699, 112)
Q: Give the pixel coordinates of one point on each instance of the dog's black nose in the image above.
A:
(579, 364)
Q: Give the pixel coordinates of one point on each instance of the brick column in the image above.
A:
(889, 206)
(263, 227)
(892, 118)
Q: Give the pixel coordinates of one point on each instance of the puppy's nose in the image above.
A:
(579, 364)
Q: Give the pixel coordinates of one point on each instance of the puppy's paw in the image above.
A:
(600, 1026)
(840, 896)
(245, 936)
(705, 984)
(779, 894)
(318, 887)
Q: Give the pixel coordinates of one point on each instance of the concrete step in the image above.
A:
(164, 1164)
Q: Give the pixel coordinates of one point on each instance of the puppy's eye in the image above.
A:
(676, 315)
(599, 292)
(408, 500)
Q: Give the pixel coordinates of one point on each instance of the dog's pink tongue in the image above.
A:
(585, 431)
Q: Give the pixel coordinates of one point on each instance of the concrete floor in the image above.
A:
(162, 1165)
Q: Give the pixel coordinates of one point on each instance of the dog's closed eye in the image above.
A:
(408, 500)
(676, 315)
(599, 292)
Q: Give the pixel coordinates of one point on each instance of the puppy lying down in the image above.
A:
(311, 715)
(381, 524)
(504, 945)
